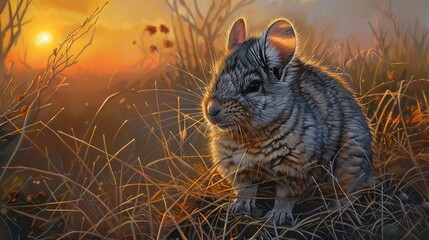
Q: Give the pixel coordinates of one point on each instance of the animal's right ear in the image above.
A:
(280, 43)
(237, 34)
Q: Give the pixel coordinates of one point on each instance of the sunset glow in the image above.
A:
(43, 39)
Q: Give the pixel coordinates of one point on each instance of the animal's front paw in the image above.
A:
(279, 215)
(243, 205)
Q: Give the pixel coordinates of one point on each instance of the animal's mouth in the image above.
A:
(218, 122)
(224, 126)
(217, 118)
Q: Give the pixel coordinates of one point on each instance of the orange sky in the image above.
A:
(117, 27)
(123, 21)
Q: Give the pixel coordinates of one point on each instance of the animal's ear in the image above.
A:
(280, 43)
(237, 34)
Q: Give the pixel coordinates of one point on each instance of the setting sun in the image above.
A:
(43, 39)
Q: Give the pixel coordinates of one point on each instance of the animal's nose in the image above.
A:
(213, 107)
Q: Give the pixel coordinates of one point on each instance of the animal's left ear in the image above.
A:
(280, 43)
(237, 34)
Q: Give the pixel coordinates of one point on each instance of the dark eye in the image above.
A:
(253, 87)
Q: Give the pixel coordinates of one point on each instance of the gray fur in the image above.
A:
(301, 121)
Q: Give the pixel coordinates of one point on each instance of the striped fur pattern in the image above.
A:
(274, 117)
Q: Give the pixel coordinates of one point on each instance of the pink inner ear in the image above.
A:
(282, 37)
(241, 35)
(237, 34)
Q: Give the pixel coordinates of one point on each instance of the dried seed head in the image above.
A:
(168, 44)
(153, 48)
(151, 29)
(393, 75)
(164, 29)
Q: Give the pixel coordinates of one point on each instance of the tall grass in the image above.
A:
(98, 185)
